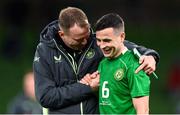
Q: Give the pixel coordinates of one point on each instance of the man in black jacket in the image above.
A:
(68, 52)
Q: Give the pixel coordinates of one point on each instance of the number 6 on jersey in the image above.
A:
(105, 90)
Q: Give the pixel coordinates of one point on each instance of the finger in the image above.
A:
(149, 68)
(146, 67)
(94, 75)
(140, 68)
(84, 82)
(87, 75)
(95, 82)
(148, 71)
(97, 73)
(87, 79)
(97, 78)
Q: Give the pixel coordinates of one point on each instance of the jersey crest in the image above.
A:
(119, 74)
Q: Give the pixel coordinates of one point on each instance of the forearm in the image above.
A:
(64, 96)
(51, 95)
(141, 105)
(142, 110)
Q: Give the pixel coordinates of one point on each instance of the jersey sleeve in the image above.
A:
(139, 84)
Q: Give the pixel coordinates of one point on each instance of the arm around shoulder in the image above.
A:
(143, 50)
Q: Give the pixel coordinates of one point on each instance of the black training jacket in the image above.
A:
(57, 75)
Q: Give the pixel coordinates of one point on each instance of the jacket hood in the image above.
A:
(49, 33)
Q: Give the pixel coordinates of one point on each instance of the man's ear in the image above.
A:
(61, 33)
(122, 35)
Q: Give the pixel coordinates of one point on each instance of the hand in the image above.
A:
(86, 79)
(94, 75)
(92, 80)
(94, 84)
(148, 64)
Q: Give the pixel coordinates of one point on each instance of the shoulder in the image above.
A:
(43, 53)
(129, 59)
(133, 64)
(42, 48)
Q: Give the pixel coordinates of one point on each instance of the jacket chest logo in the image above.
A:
(90, 54)
(57, 59)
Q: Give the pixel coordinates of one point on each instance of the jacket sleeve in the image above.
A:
(48, 93)
(143, 50)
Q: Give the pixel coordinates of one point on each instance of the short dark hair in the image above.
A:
(110, 20)
(70, 16)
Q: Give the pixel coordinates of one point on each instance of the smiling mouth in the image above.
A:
(107, 50)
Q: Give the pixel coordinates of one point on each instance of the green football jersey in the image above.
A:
(119, 84)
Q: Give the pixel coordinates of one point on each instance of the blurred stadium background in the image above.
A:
(152, 23)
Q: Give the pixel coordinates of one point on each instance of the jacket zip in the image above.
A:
(84, 56)
(81, 104)
(74, 66)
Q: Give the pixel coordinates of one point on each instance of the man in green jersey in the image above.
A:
(121, 89)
